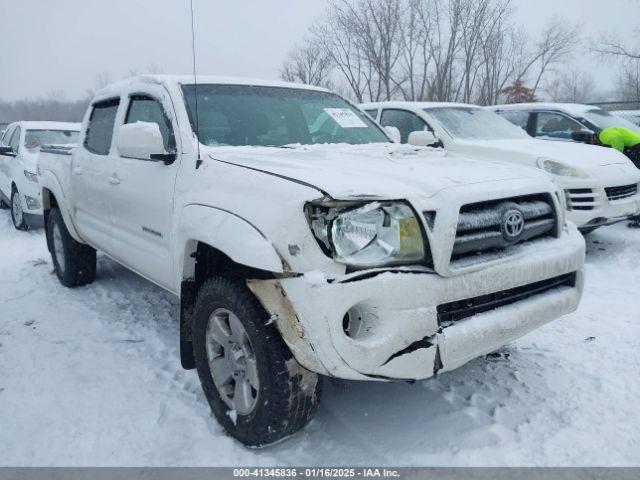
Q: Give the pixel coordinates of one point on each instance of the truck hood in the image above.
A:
(588, 158)
(369, 171)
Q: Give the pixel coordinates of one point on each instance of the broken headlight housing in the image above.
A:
(373, 234)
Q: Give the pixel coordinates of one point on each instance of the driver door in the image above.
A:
(142, 193)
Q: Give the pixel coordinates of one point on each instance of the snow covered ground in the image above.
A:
(92, 377)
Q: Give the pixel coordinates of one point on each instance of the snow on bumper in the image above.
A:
(592, 206)
(406, 320)
(605, 212)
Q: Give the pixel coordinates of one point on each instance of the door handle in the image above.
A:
(114, 180)
(77, 171)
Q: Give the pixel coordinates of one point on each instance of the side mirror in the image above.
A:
(422, 138)
(584, 136)
(143, 140)
(6, 150)
(394, 134)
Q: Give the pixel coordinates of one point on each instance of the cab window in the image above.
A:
(372, 113)
(555, 125)
(15, 139)
(6, 136)
(517, 117)
(404, 121)
(143, 108)
(100, 128)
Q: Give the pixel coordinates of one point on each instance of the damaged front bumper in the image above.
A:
(411, 324)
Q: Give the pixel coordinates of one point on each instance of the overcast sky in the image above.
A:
(63, 45)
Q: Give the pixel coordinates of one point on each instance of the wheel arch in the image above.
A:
(53, 197)
(231, 247)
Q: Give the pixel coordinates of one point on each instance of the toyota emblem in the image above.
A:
(512, 225)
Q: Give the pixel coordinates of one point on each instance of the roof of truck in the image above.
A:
(417, 105)
(571, 108)
(34, 125)
(174, 80)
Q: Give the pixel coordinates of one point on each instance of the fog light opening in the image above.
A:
(352, 322)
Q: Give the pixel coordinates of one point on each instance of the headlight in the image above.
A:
(31, 176)
(557, 168)
(371, 235)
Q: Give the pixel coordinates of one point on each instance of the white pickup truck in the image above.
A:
(302, 242)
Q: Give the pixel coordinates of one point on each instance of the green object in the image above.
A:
(619, 138)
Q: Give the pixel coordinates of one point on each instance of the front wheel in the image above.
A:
(17, 214)
(257, 391)
(74, 262)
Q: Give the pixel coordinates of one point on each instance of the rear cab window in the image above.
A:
(100, 128)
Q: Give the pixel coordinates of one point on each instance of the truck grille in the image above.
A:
(450, 313)
(618, 193)
(581, 199)
(500, 224)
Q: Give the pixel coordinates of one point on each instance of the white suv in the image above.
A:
(302, 242)
(600, 184)
(19, 149)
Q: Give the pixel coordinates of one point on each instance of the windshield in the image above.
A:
(273, 116)
(603, 119)
(36, 138)
(473, 123)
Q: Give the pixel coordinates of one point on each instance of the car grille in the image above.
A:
(452, 312)
(481, 226)
(618, 193)
(581, 199)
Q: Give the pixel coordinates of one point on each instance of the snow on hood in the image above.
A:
(375, 170)
(587, 158)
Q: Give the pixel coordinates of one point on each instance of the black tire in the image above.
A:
(288, 395)
(19, 223)
(78, 265)
(3, 206)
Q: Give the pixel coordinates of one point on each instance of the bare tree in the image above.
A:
(336, 39)
(443, 50)
(629, 82)
(612, 46)
(308, 63)
(555, 45)
(572, 85)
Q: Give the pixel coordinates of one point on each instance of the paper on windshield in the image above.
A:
(345, 117)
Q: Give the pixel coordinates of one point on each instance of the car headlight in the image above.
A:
(368, 235)
(31, 176)
(556, 168)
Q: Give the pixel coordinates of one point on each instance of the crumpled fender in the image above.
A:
(232, 235)
(48, 181)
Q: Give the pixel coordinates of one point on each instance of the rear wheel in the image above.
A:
(74, 262)
(257, 391)
(17, 214)
(3, 205)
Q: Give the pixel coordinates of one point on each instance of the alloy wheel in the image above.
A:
(232, 362)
